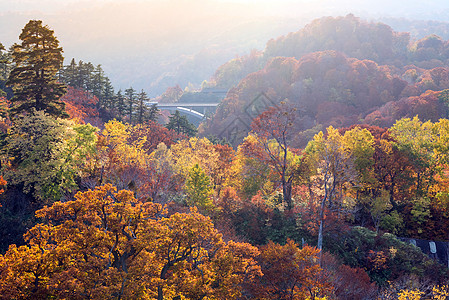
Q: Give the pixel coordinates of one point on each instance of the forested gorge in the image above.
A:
(100, 200)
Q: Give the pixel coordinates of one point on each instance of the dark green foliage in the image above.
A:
(36, 62)
(107, 96)
(98, 83)
(2, 48)
(121, 105)
(282, 227)
(142, 109)
(444, 98)
(16, 216)
(68, 74)
(92, 79)
(4, 69)
(181, 125)
(153, 113)
(259, 226)
(130, 94)
(384, 257)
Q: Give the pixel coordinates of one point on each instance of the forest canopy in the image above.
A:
(328, 146)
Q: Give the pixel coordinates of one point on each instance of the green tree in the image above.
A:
(130, 97)
(418, 141)
(33, 79)
(84, 75)
(443, 97)
(4, 59)
(120, 104)
(108, 98)
(142, 99)
(98, 82)
(153, 113)
(68, 73)
(181, 125)
(198, 188)
(46, 154)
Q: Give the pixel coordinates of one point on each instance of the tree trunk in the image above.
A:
(327, 194)
(287, 192)
(320, 231)
(160, 295)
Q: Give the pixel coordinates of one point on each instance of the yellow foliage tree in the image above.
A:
(188, 153)
(108, 245)
(333, 164)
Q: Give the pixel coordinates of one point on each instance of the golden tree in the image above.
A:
(108, 245)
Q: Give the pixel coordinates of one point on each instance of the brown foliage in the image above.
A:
(289, 273)
(81, 105)
(108, 245)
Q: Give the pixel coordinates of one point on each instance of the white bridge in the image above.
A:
(188, 108)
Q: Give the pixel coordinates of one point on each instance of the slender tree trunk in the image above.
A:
(328, 192)
(287, 192)
(320, 230)
(447, 251)
(160, 295)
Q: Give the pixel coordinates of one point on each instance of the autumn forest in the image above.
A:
(315, 168)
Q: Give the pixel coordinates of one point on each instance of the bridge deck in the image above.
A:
(168, 105)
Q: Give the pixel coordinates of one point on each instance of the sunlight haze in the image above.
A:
(162, 36)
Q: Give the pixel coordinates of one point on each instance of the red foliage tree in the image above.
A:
(273, 130)
(348, 283)
(81, 105)
(153, 134)
(289, 273)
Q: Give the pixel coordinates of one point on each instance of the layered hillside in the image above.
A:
(336, 71)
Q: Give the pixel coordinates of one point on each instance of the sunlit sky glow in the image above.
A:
(158, 33)
(411, 6)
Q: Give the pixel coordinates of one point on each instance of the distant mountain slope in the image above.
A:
(418, 28)
(349, 35)
(152, 45)
(336, 71)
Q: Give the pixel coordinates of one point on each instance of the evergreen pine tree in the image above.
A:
(69, 73)
(3, 70)
(142, 100)
(121, 105)
(3, 63)
(181, 125)
(108, 97)
(130, 98)
(37, 60)
(86, 72)
(153, 113)
(97, 84)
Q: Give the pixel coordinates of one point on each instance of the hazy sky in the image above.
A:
(393, 7)
(160, 35)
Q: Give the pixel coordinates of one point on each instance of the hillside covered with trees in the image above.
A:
(338, 71)
(329, 145)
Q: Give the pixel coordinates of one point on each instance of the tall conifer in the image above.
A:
(33, 78)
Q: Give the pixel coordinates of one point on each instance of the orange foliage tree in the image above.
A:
(273, 130)
(81, 105)
(289, 273)
(108, 245)
(136, 158)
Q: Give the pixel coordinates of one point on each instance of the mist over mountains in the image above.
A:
(152, 45)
